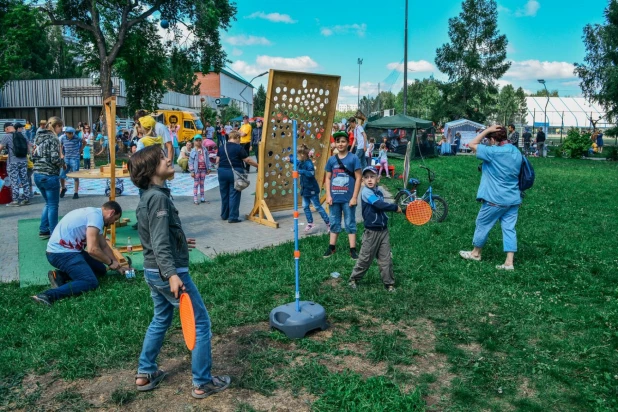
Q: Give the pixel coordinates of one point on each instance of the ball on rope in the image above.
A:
(165, 24)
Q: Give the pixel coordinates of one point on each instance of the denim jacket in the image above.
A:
(194, 159)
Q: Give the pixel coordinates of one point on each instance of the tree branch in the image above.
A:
(144, 15)
(76, 23)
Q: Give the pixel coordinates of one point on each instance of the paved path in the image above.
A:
(201, 222)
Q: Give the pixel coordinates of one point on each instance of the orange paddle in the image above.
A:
(187, 320)
(418, 212)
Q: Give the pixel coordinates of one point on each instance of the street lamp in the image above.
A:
(247, 85)
(360, 61)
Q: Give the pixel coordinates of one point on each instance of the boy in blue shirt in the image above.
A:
(376, 240)
(343, 179)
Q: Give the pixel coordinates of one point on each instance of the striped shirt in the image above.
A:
(72, 147)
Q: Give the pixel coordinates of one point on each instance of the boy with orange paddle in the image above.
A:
(376, 239)
(166, 270)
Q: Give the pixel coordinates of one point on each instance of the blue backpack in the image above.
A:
(526, 174)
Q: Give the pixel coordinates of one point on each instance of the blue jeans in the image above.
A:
(349, 217)
(487, 218)
(164, 304)
(230, 197)
(315, 199)
(49, 186)
(80, 268)
(360, 153)
(72, 166)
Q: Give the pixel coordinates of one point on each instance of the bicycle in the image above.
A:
(439, 207)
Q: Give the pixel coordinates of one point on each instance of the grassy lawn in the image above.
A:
(457, 335)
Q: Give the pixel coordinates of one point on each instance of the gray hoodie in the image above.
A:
(46, 153)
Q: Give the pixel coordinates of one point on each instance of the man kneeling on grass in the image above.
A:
(77, 269)
(376, 240)
(166, 269)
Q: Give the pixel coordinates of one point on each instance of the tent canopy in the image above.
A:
(460, 125)
(400, 121)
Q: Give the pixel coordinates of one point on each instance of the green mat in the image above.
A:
(33, 264)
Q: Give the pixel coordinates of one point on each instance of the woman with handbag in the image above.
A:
(232, 176)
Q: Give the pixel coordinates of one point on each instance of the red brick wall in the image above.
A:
(209, 84)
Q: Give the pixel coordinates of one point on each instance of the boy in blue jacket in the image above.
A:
(376, 241)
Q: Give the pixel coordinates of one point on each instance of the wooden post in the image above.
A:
(110, 116)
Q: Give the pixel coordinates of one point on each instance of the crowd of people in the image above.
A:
(349, 177)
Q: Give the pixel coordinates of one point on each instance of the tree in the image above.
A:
(599, 73)
(181, 76)
(259, 101)
(385, 100)
(473, 60)
(142, 64)
(367, 105)
(230, 112)
(522, 106)
(543, 93)
(423, 96)
(104, 26)
(507, 106)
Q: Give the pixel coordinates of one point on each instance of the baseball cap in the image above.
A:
(9, 124)
(197, 136)
(69, 129)
(370, 169)
(147, 122)
(17, 125)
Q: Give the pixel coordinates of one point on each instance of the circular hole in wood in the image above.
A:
(270, 153)
(326, 100)
(275, 98)
(305, 83)
(292, 91)
(285, 89)
(265, 195)
(266, 184)
(278, 89)
(327, 92)
(317, 99)
(321, 92)
(284, 97)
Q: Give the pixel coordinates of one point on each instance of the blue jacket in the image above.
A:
(308, 184)
(194, 159)
(374, 208)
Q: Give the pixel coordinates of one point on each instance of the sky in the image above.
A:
(328, 37)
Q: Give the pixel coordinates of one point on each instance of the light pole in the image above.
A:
(360, 61)
(405, 62)
(546, 103)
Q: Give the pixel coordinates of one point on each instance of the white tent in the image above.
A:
(466, 128)
(564, 112)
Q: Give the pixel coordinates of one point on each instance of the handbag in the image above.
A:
(241, 180)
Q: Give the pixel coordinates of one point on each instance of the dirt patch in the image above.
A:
(332, 282)
(356, 364)
(526, 390)
(473, 348)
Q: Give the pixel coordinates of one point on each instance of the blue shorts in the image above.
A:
(72, 166)
(349, 217)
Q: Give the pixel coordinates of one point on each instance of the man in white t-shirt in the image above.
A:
(228, 128)
(78, 269)
(360, 141)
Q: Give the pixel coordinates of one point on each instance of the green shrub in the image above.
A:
(612, 154)
(576, 144)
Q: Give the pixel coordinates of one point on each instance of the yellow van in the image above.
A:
(189, 123)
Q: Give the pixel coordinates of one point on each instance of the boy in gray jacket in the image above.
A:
(376, 241)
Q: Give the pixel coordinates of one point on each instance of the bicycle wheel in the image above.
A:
(439, 209)
(403, 198)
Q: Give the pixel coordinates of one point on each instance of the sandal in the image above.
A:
(466, 254)
(505, 267)
(218, 384)
(154, 379)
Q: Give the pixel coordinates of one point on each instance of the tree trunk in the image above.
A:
(106, 78)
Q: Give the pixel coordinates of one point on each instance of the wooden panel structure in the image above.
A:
(311, 100)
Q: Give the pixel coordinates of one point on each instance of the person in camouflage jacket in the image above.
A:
(48, 160)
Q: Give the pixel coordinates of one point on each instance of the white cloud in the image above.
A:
(502, 9)
(535, 69)
(571, 83)
(359, 29)
(413, 66)
(243, 40)
(501, 83)
(274, 17)
(236, 52)
(264, 63)
(529, 10)
(366, 89)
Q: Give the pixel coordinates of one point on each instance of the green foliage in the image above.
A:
(385, 100)
(576, 144)
(612, 153)
(208, 115)
(259, 101)
(142, 63)
(599, 73)
(507, 105)
(423, 96)
(473, 60)
(103, 27)
(543, 93)
(230, 112)
(339, 116)
(121, 397)
(181, 76)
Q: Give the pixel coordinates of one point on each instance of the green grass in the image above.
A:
(551, 326)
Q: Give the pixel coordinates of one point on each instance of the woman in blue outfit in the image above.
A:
(498, 192)
(231, 155)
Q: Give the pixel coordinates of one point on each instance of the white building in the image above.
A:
(343, 107)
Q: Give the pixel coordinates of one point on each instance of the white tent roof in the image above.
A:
(573, 111)
(463, 125)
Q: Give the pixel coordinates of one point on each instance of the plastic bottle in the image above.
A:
(129, 245)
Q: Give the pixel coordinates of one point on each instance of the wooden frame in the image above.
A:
(311, 100)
